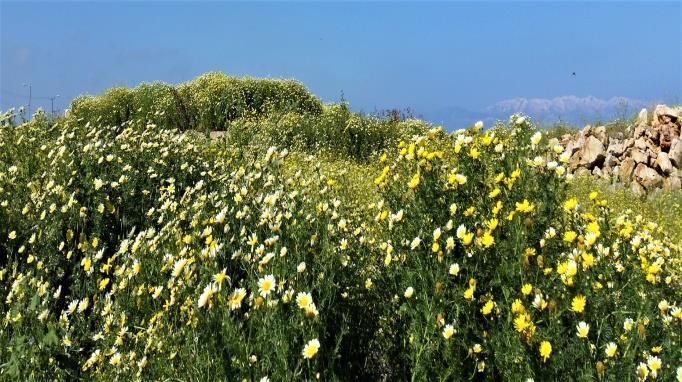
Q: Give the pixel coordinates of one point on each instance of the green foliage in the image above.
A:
(335, 132)
(664, 208)
(209, 102)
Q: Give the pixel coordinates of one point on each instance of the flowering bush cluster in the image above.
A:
(336, 132)
(141, 252)
(208, 102)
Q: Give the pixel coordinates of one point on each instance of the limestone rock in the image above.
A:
(639, 131)
(626, 169)
(615, 148)
(652, 147)
(640, 143)
(643, 117)
(600, 133)
(637, 189)
(571, 147)
(611, 160)
(645, 155)
(647, 176)
(574, 161)
(639, 155)
(592, 153)
(675, 153)
(630, 142)
(652, 159)
(652, 135)
(566, 139)
(672, 183)
(662, 114)
(663, 163)
(669, 132)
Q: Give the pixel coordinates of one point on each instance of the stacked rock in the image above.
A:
(646, 156)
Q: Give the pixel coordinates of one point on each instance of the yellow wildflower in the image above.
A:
(545, 350)
(578, 304)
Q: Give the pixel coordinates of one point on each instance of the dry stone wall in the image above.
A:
(646, 156)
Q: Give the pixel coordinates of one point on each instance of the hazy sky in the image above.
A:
(424, 55)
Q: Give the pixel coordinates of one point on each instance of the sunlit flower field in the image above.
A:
(389, 251)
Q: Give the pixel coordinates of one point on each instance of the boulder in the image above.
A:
(611, 160)
(566, 139)
(578, 143)
(663, 114)
(663, 163)
(637, 189)
(647, 176)
(592, 153)
(652, 147)
(600, 133)
(640, 143)
(675, 153)
(653, 135)
(571, 148)
(626, 169)
(643, 117)
(615, 148)
(630, 142)
(639, 155)
(574, 161)
(639, 131)
(652, 159)
(669, 131)
(672, 183)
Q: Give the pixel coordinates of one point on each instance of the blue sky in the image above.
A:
(429, 56)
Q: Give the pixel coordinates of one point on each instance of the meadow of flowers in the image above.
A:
(320, 245)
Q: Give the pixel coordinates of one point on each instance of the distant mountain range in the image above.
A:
(568, 109)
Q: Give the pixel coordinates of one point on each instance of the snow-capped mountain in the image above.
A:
(569, 109)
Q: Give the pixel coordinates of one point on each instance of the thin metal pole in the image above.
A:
(30, 93)
(52, 103)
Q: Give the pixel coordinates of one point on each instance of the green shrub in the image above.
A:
(208, 102)
(335, 132)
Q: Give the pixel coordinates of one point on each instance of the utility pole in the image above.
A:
(52, 103)
(29, 99)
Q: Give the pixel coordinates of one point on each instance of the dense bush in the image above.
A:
(208, 102)
(136, 251)
(336, 131)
